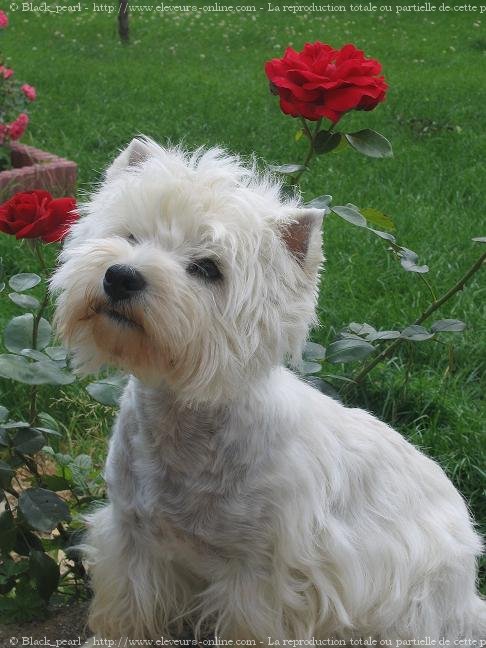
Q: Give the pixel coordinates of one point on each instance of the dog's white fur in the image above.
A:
(242, 499)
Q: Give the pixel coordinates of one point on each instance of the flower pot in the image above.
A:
(36, 169)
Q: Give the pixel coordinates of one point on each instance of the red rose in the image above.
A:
(320, 81)
(6, 72)
(29, 91)
(35, 214)
(3, 20)
(17, 127)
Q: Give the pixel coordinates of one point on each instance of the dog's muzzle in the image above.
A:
(123, 282)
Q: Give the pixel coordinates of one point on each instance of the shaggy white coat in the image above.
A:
(241, 499)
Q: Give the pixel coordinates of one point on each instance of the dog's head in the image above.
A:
(188, 268)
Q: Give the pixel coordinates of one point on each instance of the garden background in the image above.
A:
(198, 77)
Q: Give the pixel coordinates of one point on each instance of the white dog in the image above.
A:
(241, 499)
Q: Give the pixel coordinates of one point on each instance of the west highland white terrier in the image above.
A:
(240, 498)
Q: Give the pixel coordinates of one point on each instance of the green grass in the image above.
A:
(199, 77)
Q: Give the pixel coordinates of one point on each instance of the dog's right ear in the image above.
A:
(133, 155)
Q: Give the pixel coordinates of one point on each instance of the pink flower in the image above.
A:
(29, 91)
(17, 127)
(6, 72)
(3, 20)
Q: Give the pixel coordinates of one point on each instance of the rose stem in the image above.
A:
(35, 331)
(310, 152)
(425, 315)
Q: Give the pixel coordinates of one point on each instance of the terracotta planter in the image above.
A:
(36, 169)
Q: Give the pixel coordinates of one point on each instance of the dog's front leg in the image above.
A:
(138, 592)
(253, 601)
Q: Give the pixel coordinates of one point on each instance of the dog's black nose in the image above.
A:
(122, 282)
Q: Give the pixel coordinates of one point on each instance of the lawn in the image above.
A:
(199, 77)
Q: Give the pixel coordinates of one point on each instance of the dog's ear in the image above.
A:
(133, 155)
(301, 234)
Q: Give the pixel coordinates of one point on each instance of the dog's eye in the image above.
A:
(205, 268)
(131, 238)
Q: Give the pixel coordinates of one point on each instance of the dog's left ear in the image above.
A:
(301, 233)
(133, 155)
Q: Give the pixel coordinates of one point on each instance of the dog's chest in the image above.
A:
(197, 472)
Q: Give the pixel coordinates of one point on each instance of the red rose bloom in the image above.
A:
(29, 91)
(17, 127)
(3, 20)
(35, 214)
(6, 72)
(320, 81)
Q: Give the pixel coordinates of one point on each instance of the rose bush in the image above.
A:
(42, 487)
(36, 214)
(321, 81)
(15, 97)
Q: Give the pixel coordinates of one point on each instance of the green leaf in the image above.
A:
(361, 329)
(314, 351)
(349, 336)
(370, 143)
(287, 168)
(311, 367)
(383, 335)
(6, 474)
(24, 301)
(348, 350)
(479, 239)
(16, 367)
(323, 386)
(351, 214)
(63, 459)
(57, 353)
(26, 541)
(448, 325)
(410, 266)
(3, 413)
(321, 202)
(2, 286)
(409, 259)
(34, 354)
(18, 333)
(326, 142)
(8, 533)
(416, 333)
(48, 421)
(24, 281)
(83, 461)
(48, 431)
(45, 572)
(56, 483)
(298, 135)
(15, 567)
(28, 441)
(107, 391)
(378, 218)
(43, 509)
(384, 235)
(11, 425)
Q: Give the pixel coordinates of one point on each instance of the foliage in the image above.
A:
(14, 99)
(44, 490)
